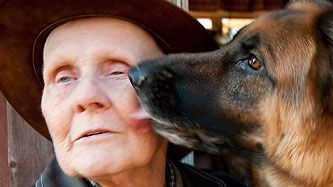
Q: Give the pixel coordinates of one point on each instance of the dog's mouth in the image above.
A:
(194, 138)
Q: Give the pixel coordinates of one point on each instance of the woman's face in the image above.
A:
(97, 125)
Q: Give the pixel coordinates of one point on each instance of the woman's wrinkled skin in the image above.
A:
(97, 125)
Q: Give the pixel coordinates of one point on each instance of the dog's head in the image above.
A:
(275, 73)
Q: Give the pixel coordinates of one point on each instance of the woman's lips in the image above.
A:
(140, 122)
(91, 135)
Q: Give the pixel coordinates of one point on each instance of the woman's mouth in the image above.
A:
(94, 135)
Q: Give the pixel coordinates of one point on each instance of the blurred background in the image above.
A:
(225, 17)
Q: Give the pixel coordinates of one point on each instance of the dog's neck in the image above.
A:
(301, 155)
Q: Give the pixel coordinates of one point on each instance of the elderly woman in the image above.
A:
(76, 54)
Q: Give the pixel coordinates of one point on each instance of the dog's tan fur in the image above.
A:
(303, 156)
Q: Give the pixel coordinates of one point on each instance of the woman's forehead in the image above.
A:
(97, 26)
(100, 29)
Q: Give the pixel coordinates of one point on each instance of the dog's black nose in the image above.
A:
(137, 77)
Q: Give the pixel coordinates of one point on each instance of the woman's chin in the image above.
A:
(92, 163)
(94, 166)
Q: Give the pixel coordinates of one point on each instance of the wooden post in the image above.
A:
(217, 24)
(4, 171)
(183, 4)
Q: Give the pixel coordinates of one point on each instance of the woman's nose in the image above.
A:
(90, 97)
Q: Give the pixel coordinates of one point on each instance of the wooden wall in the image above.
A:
(4, 171)
(24, 153)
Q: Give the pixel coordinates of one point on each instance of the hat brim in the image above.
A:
(24, 26)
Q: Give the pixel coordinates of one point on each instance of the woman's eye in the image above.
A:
(117, 73)
(65, 79)
(254, 63)
(116, 69)
(65, 76)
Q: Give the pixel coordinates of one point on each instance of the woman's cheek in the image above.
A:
(142, 126)
(56, 123)
(62, 92)
(140, 121)
(127, 105)
(56, 116)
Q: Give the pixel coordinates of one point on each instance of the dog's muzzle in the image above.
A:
(151, 76)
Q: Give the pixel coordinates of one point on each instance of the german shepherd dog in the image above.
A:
(266, 96)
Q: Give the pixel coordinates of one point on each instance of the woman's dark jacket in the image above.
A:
(53, 176)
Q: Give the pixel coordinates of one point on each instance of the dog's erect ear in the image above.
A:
(324, 75)
(325, 25)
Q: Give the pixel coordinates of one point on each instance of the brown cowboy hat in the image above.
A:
(24, 26)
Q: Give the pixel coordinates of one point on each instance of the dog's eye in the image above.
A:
(254, 63)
